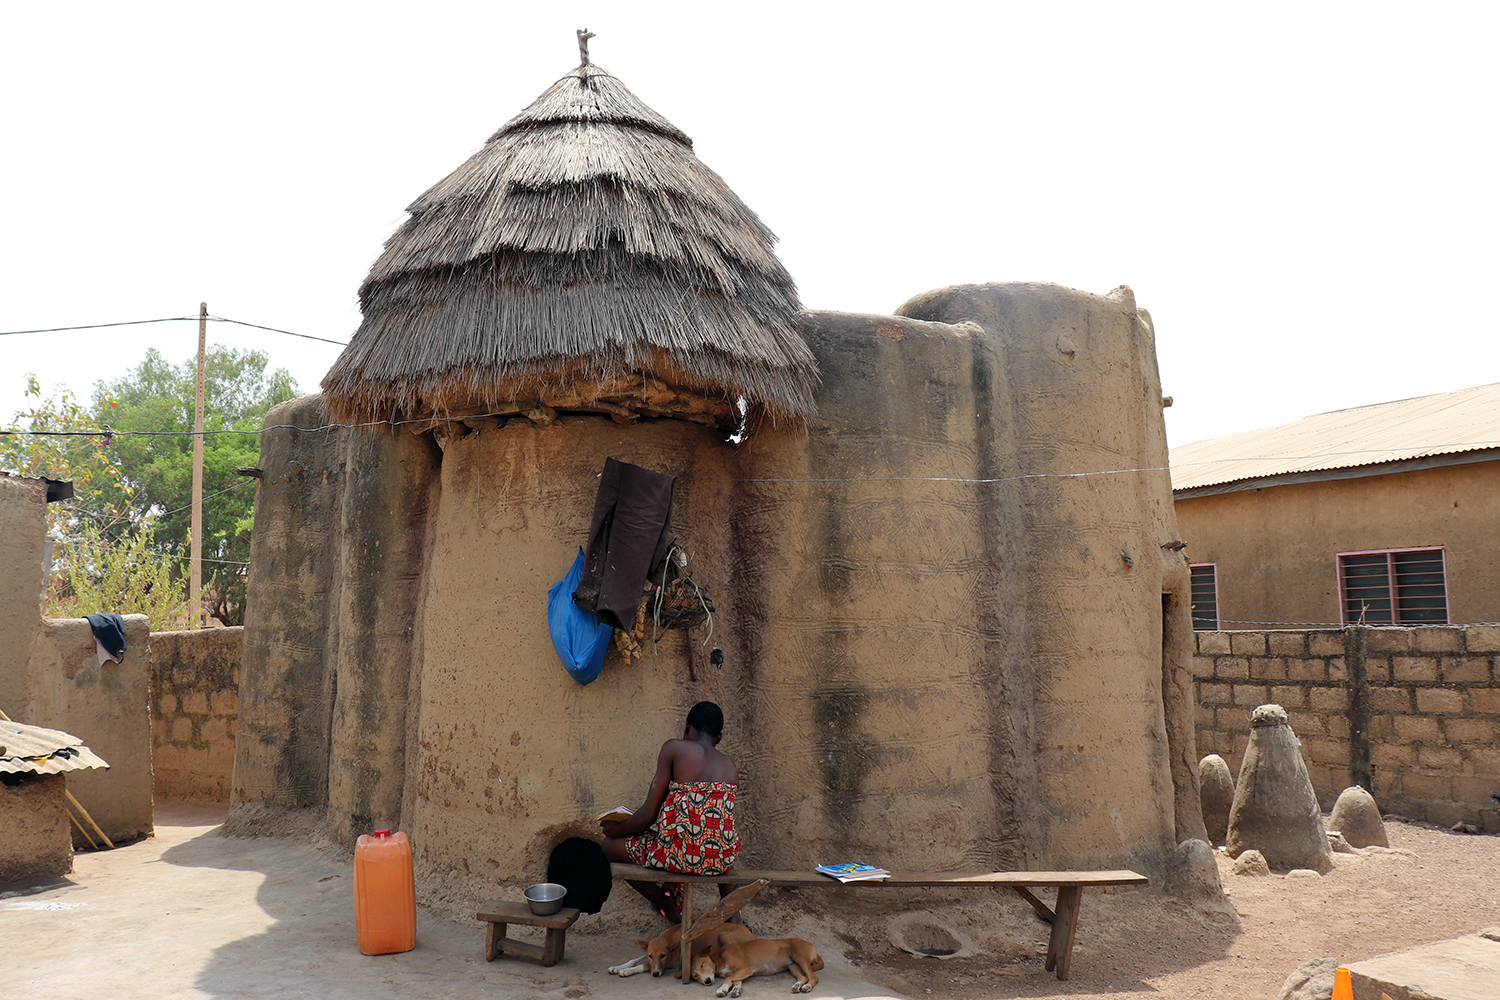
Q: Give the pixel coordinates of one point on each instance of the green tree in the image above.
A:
(59, 439)
(157, 467)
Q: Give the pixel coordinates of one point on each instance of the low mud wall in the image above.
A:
(1413, 714)
(195, 705)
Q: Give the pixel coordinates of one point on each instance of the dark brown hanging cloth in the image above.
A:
(627, 542)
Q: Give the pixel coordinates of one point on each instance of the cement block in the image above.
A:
(1439, 639)
(1247, 643)
(1414, 668)
(1306, 670)
(1391, 756)
(1485, 700)
(1433, 787)
(1231, 668)
(1432, 701)
(1289, 696)
(1386, 639)
(1482, 638)
(1468, 732)
(1418, 728)
(1329, 698)
(1390, 699)
(1213, 643)
(1268, 668)
(1440, 759)
(1250, 696)
(1288, 643)
(1464, 669)
(1326, 643)
(1213, 694)
(1336, 669)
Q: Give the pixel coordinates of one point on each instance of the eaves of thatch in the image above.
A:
(583, 259)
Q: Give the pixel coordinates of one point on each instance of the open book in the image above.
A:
(619, 814)
(854, 872)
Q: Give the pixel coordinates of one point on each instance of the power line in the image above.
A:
(98, 326)
(172, 319)
(290, 333)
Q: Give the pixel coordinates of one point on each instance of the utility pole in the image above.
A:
(195, 571)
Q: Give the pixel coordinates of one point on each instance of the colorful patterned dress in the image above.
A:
(694, 832)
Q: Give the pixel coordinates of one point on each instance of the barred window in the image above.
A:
(1394, 587)
(1205, 593)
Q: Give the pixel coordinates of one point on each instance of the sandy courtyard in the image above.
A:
(191, 914)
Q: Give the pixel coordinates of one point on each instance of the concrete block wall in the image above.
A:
(195, 704)
(1413, 714)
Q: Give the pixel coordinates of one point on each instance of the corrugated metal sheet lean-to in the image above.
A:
(33, 750)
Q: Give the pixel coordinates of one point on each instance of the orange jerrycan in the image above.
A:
(385, 894)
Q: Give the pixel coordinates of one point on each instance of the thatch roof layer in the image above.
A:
(583, 243)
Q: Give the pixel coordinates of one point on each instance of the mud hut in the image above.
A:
(953, 617)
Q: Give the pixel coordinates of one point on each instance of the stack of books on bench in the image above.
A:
(852, 872)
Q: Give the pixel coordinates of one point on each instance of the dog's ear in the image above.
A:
(643, 945)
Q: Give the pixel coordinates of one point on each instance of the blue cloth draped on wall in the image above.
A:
(580, 639)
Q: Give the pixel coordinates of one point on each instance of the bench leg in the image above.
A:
(552, 947)
(1064, 925)
(492, 938)
(685, 945)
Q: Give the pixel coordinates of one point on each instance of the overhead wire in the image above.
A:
(172, 319)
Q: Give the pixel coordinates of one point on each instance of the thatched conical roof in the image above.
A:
(583, 259)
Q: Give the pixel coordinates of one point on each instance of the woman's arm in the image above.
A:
(642, 818)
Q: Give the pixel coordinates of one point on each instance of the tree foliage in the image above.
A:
(130, 458)
(158, 396)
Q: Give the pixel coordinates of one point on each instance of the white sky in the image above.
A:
(1304, 195)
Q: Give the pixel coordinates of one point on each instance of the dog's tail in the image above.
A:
(817, 962)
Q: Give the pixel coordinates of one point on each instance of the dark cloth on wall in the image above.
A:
(627, 541)
(109, 633)
(580, 866)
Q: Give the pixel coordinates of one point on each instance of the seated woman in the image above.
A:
(686, 823)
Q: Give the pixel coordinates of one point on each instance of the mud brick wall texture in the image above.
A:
(195, 703)
(1412, 714)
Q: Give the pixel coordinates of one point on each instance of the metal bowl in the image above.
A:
(545, 898)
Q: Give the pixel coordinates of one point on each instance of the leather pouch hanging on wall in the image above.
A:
(627, 541)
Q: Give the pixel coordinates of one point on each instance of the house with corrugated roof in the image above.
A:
(1382, 515)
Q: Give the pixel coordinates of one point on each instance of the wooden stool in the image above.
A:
(497, 913)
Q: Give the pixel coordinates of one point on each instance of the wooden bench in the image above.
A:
(1063, 917)
(497, 913)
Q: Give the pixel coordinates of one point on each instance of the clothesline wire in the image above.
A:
(171, 319)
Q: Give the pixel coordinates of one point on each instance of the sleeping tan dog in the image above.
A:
(662, 950)
(760, 957)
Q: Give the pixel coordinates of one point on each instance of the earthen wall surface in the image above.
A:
(107, 706)
(195, 678)
(35, 833)
(958, 651)
(1411, 713)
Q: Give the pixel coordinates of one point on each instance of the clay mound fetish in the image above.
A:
(1357, 817)
(1275, 810)
(1215, 796)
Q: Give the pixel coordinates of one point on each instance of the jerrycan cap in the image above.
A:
(382, 833)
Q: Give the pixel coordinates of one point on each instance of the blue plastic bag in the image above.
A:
(580, 639)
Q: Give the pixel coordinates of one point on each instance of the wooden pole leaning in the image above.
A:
(710, 921)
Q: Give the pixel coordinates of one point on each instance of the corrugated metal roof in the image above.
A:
(1447, 423)
(34, 750)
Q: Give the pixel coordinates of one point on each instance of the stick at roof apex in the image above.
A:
(584, 35)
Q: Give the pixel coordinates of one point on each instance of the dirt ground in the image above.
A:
(193, 914)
